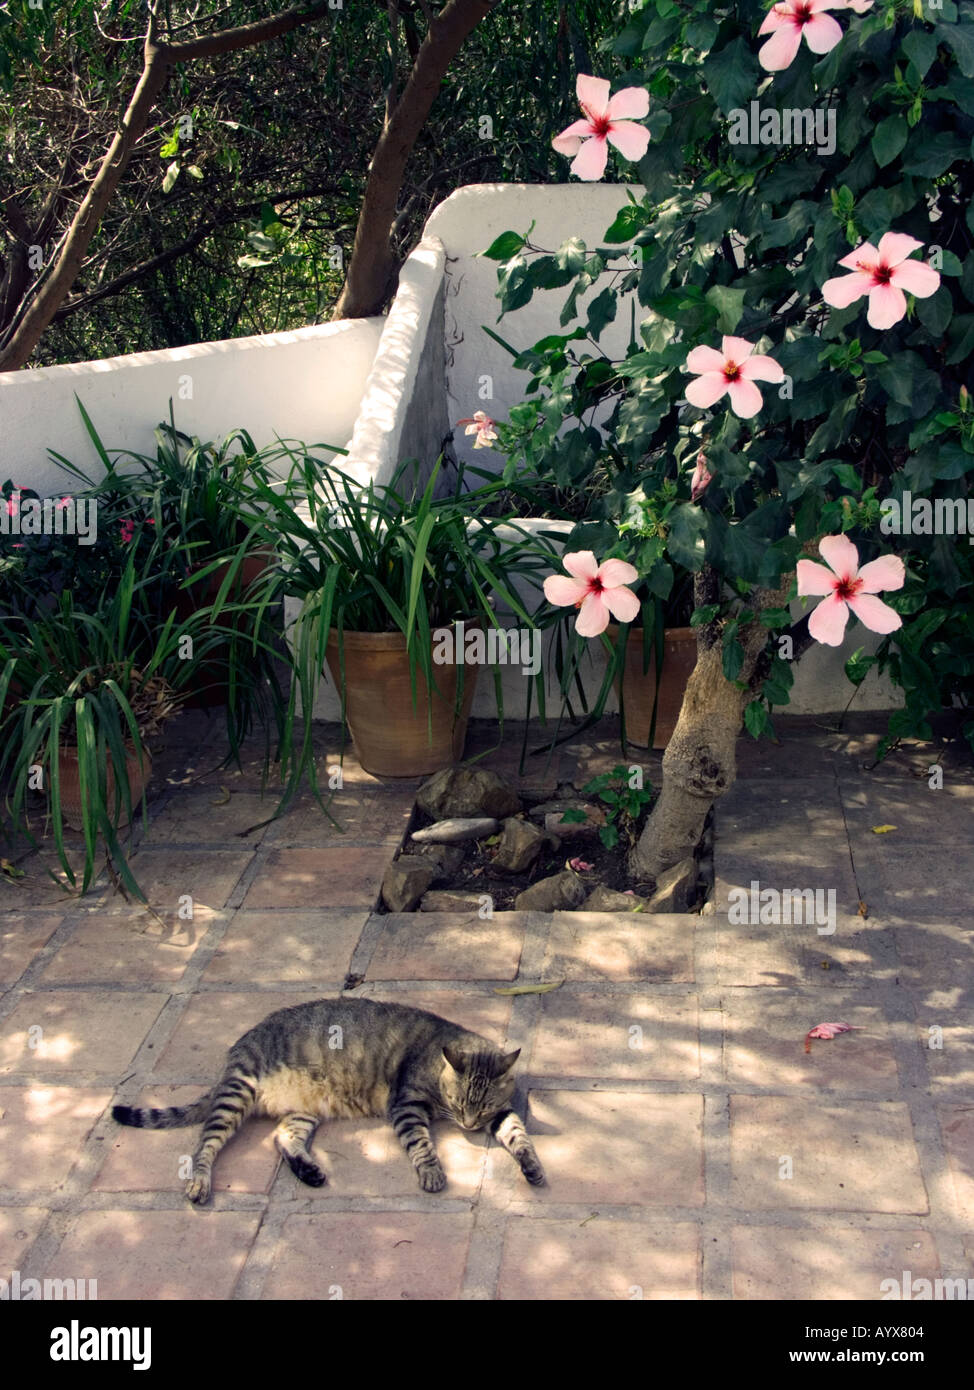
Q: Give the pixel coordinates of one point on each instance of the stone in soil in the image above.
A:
(445, 858)
(559, 893)
(467, 791)
(676, 889)
(447, 900)
(602, 899)
(456, 830)
(405, 881)
(520, 844)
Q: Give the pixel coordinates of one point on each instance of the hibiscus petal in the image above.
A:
(916, 277)
(887, 305)
(591, 159)
(615, 572)
(896, 246)
(632, 141)
(705, 390)
(840, 555)
(592, 93)
(570, 140)
(581, 563)
(888, 572)
(621, 603)
(745, 398)
(736, 349)
(866, 255)
(761, 368)
(875, 614)
(822, 33)
(827, 622)
(780, 50)
(704, 359)
(776, 18)
(631, 103)
(814, 579)
(844, 290)
(593, 617)
(564, 592)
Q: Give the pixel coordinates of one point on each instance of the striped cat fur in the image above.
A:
(339, 1058)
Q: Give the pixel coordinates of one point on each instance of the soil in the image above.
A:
(477, 875)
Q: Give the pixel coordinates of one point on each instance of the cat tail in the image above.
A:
(175, 1117)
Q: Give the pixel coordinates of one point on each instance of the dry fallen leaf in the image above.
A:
(863, 909)
(530, 989)
(883, 829)
(829, 1030)
(221, 800)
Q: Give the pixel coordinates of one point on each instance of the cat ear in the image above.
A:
(505, 1063)
(456, 1058)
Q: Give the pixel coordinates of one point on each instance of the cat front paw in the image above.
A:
(198, 1189)
(432, 1177)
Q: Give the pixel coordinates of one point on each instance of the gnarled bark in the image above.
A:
(700, 763)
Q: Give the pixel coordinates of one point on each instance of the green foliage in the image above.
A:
(739, 238)
(625, 798)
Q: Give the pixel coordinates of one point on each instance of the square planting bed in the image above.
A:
(475, 843)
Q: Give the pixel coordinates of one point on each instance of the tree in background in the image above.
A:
(229, 193)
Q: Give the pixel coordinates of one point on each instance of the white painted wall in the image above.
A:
(303, 385)
(458, 231)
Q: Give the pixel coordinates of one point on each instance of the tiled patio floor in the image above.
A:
(693, 1149)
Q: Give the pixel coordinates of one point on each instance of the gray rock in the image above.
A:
(602, 899)
(456, 831)
(445, 900)
(405, 881)
(467, 791)
(559, 893)
(587, 829)
(676, 889)
(446, 859)
(519, 846)
(559, 805)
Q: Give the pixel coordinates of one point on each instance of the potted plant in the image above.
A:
(91, 688)
(214, 557)
(382, 574)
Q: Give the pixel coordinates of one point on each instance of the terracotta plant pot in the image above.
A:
(214, 688)
(70, 783)
(391, 736)
(639, 687)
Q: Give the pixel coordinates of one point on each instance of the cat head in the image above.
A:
(476, 1085)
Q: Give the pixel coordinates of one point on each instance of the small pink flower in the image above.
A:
(64, 502)
(127, 531)
(483, 427)
(847, 586)
(580, 866)
(860, 6)
(733, 370)
(830, 1030)
(792, 20)
(701, 477)
(596, 590)
(13, 503)
(607, 120)
(883, 273)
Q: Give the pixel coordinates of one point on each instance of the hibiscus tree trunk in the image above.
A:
(700, 763)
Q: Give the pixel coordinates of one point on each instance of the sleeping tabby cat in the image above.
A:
(338, 1058)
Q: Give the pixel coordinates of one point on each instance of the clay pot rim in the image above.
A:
(676, 634)
(383, 641)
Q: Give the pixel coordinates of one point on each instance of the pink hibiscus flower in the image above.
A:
(596, 590)
(791, 21)
(847, 586)
(701, 477)
(733, 370)
(606, 120)
(483, 427)
(883, 273)
(860, 6)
